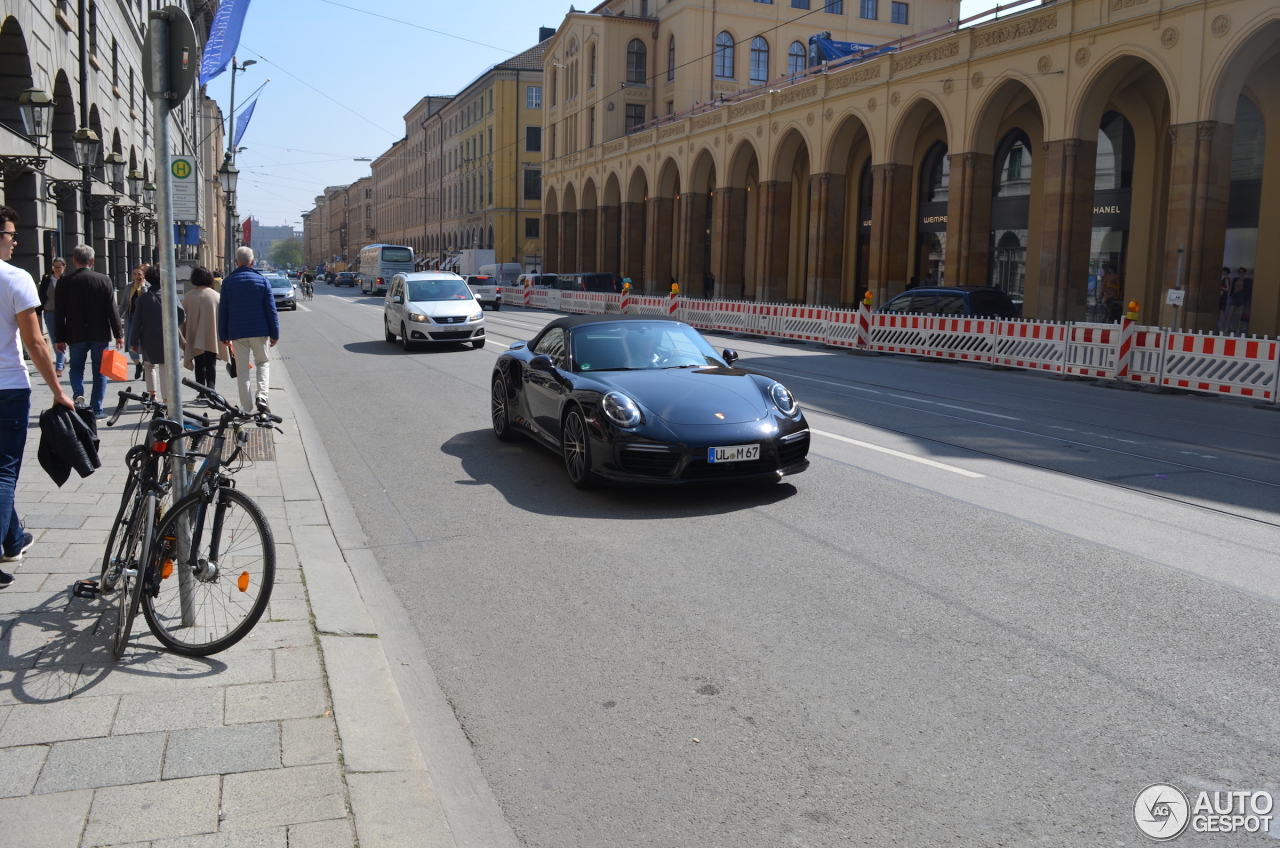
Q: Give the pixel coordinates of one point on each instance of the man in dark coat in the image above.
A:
(86, 320)
(247, 321)
(147, 335)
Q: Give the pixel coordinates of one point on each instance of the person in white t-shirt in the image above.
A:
(18, 303)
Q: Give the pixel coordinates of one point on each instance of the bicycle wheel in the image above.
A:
(202, 601)
(129, 581)
(119, 539)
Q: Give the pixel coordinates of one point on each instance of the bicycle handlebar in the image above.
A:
(219, 402)
(126, 396)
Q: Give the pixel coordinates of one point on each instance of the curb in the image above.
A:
(401, 740)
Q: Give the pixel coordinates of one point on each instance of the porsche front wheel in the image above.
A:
(576, 445)
(498, 412)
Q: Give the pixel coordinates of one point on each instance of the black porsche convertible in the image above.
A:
(641, 399)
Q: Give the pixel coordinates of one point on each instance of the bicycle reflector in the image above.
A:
(159, 447)
(166, 571)
(242, 583)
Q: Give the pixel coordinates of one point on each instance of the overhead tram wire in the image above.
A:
(419, 26)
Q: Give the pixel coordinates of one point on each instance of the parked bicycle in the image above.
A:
(202, 570)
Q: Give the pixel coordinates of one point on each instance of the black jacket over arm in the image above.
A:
(68, 439)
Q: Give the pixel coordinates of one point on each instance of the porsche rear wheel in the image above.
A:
(498, 412)
(576, 445)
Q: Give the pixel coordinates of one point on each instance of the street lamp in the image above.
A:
(36, 107)
(116, 164)
(149, 194)
(86, 143)
(135, 184)
(229, 175)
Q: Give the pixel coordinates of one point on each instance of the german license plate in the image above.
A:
(735, 453)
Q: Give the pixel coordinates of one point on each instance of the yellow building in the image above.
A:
(1057, 152)
(483, 166)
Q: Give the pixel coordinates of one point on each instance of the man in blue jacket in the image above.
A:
(247, 320)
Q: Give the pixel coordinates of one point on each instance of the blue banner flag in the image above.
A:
(224, 38)
(242, 122)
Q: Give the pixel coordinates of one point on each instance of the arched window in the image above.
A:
(797, 58)
(671, 58)
(591, 83)
(759, 60)
(936, 186)
(490, 243)
(1014, 177)
(724, 56)
(636, 64)
(1114, 168)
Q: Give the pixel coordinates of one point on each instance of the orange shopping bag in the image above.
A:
(115, 365)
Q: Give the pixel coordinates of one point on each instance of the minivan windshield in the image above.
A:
(640, 346)
(426, 290)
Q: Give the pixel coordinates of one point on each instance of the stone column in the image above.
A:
(729, 241)
(890, 230)
(607, 239)
(826, 239)
(657, 245)
(969, 219)
(1199, 185)
(587, 239)
(1068, 225)
(631, 246)
(551, 243)
(775, 240)
(692, 247)
(569, 242)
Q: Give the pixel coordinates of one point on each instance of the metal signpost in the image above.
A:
(170, 60)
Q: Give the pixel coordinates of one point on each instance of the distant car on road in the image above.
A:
(282, 289)
(972, 301)
(432, 306)
(345, 278)
(490, 291)
(639, 399)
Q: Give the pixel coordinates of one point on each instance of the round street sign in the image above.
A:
(181, 168)
(184, 52)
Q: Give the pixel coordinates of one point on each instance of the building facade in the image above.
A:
(484, 164)
(40, 46)
(336, 199)
(1054, 152)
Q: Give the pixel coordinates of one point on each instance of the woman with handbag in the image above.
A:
(131, 304)
(147, 335)
(203, 350)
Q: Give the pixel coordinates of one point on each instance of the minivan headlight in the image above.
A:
(784, 400)
(621, 410)
(477, 316)
(417, 317)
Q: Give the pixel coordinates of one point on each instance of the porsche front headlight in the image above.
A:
(783, 399)
(621, 410)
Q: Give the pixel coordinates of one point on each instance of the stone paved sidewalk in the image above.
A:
(239, 749)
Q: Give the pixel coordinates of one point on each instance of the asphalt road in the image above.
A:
(994, 609)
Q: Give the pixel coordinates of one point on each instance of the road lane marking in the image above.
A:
(920, 459)
(953, 406)
(304, 308)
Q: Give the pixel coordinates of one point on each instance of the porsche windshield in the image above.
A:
(421, 290)
(640, 346)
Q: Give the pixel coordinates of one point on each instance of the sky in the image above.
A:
(342, 76)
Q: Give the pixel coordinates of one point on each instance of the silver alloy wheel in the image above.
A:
(498, 409)
(575, 448)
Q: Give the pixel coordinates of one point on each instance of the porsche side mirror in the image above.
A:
(542, 362)
(397, 299)
(730, 355)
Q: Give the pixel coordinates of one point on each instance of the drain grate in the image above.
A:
(260, 447)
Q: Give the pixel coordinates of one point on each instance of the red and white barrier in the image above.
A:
(1127, 352)
(1231, 365)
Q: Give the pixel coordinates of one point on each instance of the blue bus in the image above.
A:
(379, 263)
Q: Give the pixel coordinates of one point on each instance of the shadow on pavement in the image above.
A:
(532, 478)
(382, 348)
(59, 648)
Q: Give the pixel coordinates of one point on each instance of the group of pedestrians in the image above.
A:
(1235, 298)
(235, 325)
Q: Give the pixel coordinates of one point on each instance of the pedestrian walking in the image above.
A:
(1224, 296)
(709, 285)
(86, 321)
(19, 300)
(147, 335)
(1241, 294)
(203, 350)
(136, 288)
(49, 285)
(247, 320)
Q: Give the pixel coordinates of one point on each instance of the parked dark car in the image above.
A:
(645, 400)
(589, 282)
(973, 301)
(345, 278)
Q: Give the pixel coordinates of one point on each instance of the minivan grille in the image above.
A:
(455, 319)
(449, 337)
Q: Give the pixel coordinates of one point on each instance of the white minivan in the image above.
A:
(432, 306)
